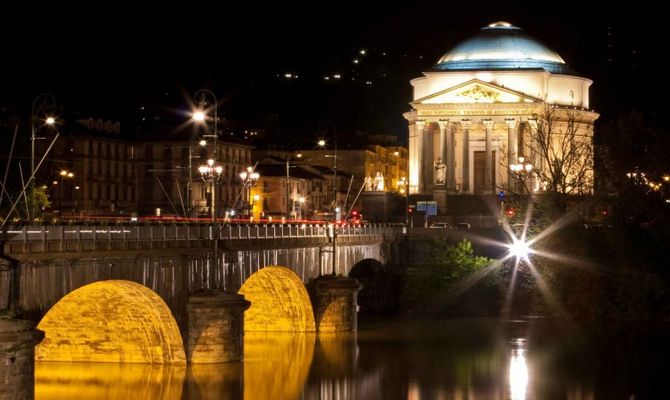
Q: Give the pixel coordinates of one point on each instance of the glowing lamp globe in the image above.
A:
(519, 249)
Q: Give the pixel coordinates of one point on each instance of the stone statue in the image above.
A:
(378, 183)
(368, 183)
(440, 172)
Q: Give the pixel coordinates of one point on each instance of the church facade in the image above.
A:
(479, 111)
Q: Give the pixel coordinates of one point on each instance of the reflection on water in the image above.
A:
(518, 375)
(65, 380)
(213, 381)
(276, 364)
(392, 359)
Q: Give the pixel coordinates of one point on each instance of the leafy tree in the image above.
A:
(38, 199)
(428, 287)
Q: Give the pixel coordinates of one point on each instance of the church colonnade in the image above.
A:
(476, 152)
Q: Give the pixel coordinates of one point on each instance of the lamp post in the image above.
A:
(41, 104)
(301, 201)
(323, 128)
(63, 174)
(404, 191)
(256, 198)
(298, 156)
(201, 143)
(249, 179)
(203, 108)
(211, 173)
(521, 169)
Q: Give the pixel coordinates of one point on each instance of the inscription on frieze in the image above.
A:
(526, 111)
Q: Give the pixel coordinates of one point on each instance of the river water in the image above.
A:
(397, 358)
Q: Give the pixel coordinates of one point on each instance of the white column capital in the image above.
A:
(511, 123)
(488, 123)
(466, 123)
(420, 124)
(443, 123)
(533, 123)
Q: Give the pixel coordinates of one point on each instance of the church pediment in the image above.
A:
(476, 91)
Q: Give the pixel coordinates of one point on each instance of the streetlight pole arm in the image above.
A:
(201, 98)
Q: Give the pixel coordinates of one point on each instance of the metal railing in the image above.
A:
(62, 238)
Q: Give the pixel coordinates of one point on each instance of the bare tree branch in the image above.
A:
(561, 150)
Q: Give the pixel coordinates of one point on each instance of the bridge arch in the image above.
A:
(380, 287)
(111, 321)
(366, 267)
(279, 302)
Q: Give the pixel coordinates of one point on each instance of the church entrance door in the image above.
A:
(480, 171)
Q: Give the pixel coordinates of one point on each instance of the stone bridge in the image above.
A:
(178, 293)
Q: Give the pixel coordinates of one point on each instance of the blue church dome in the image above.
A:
(502, 46)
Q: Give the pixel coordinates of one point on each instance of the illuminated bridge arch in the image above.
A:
(279, 302)
(111, 321)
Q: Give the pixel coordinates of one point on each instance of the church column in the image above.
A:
(512, 147)
(445, 146)
(422, 145)
(426, 164)
(412, 172)
(488, 164)
(451, 158)
(440, 189)
(466, 156)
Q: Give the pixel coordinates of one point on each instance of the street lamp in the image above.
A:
(289, 159)
(63, 175)
(256, 198)
(521, 169)
(42, 104)
(203, 107)
(323, 128)
(519, 248)
(211, 173)
(301, 201)
(249, 179)
(403, 188)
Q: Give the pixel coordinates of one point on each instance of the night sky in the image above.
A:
(110, 62)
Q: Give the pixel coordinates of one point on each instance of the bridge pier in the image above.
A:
(215, 327)
(334, 302)
(18, 339)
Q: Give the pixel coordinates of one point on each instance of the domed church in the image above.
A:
(473, 114)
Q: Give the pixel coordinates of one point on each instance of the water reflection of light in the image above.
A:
(413, 391)
(518, 375)
(276, 364)
(64, 380)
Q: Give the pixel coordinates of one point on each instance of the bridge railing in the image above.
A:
(60, 238)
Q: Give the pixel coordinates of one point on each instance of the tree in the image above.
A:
(615, 270)
(428, 288)
(38, 199)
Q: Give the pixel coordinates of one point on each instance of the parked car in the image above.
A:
(441, 225)
(463, 225)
